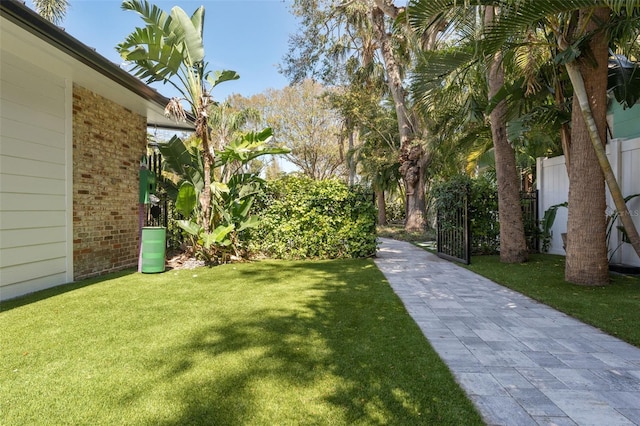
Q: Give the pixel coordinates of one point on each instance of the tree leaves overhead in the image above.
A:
(333, 41)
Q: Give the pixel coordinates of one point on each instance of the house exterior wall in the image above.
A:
(625, 121)
(58, 96)
(108, 143)
(35, 183)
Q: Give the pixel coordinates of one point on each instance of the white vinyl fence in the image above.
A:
(553, 188)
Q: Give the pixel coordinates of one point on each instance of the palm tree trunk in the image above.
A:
(565, 130)
(513, 245)
(412, 161)
(205, 196)
(586, 261)
(351, 161)
(382, 208)
(603, 161)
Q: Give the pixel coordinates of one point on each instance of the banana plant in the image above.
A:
(231, 201)
(170, 49)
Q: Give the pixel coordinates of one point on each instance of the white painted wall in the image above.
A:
(553, 188)
(629, 178)
(35, 178)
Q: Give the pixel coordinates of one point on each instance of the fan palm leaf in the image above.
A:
(53, 11)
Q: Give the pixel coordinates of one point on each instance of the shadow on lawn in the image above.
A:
(348, 338)
(58, 290)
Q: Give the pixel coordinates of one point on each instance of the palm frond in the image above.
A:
(433, 67)
(53, 11)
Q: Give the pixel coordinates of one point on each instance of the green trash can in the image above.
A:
(152, 252)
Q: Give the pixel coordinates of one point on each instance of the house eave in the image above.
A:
(19, 14)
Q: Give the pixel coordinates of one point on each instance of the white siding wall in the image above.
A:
(35, 186)
(629, 178)
(553, 188)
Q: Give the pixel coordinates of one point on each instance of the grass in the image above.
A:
(614, 308)
(324, 342)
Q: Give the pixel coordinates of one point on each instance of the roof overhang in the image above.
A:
(88, 68)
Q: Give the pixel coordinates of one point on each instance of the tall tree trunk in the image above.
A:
(513, 245)
(565, 130)
(351, 162)
(382, 208)
(208, 159)
(586, 261)
(580, 93)
(205, 195)
(412, 155)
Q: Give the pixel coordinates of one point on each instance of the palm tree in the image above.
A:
(53, 11)
(414, 160)
(170, 49)
(513, 245)
(351, 39)
(575, 27)
(425, 14)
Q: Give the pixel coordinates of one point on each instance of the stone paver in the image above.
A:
(520, 362)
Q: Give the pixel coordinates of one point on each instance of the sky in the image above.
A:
(247, 36)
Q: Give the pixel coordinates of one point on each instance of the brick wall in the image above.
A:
(108, 141)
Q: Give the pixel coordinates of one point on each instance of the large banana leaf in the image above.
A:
(251, 222)
(247, 147)
(153, 59)
(187, 199)
(222, 76)
(190, 227)
(150, 13)
(187, 165)
(186, 35)
(218, 236)
(166, 45)
(624, 80)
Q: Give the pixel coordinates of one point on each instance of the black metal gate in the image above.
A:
(454, 231)
(454, 240)
(531, 219)
(161, 211)
(156, 214)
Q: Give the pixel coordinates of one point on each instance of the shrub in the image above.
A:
(303, 218)
(396, 210)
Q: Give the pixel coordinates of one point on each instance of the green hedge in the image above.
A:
(303, 218)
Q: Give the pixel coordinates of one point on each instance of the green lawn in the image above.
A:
(265, 343)
(614, 309)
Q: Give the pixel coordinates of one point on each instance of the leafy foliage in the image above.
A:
(303, 218)
(303, 121)
(624, 80)
(231, 201)
(170, 49)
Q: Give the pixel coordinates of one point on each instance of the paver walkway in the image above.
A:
(520, 362)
